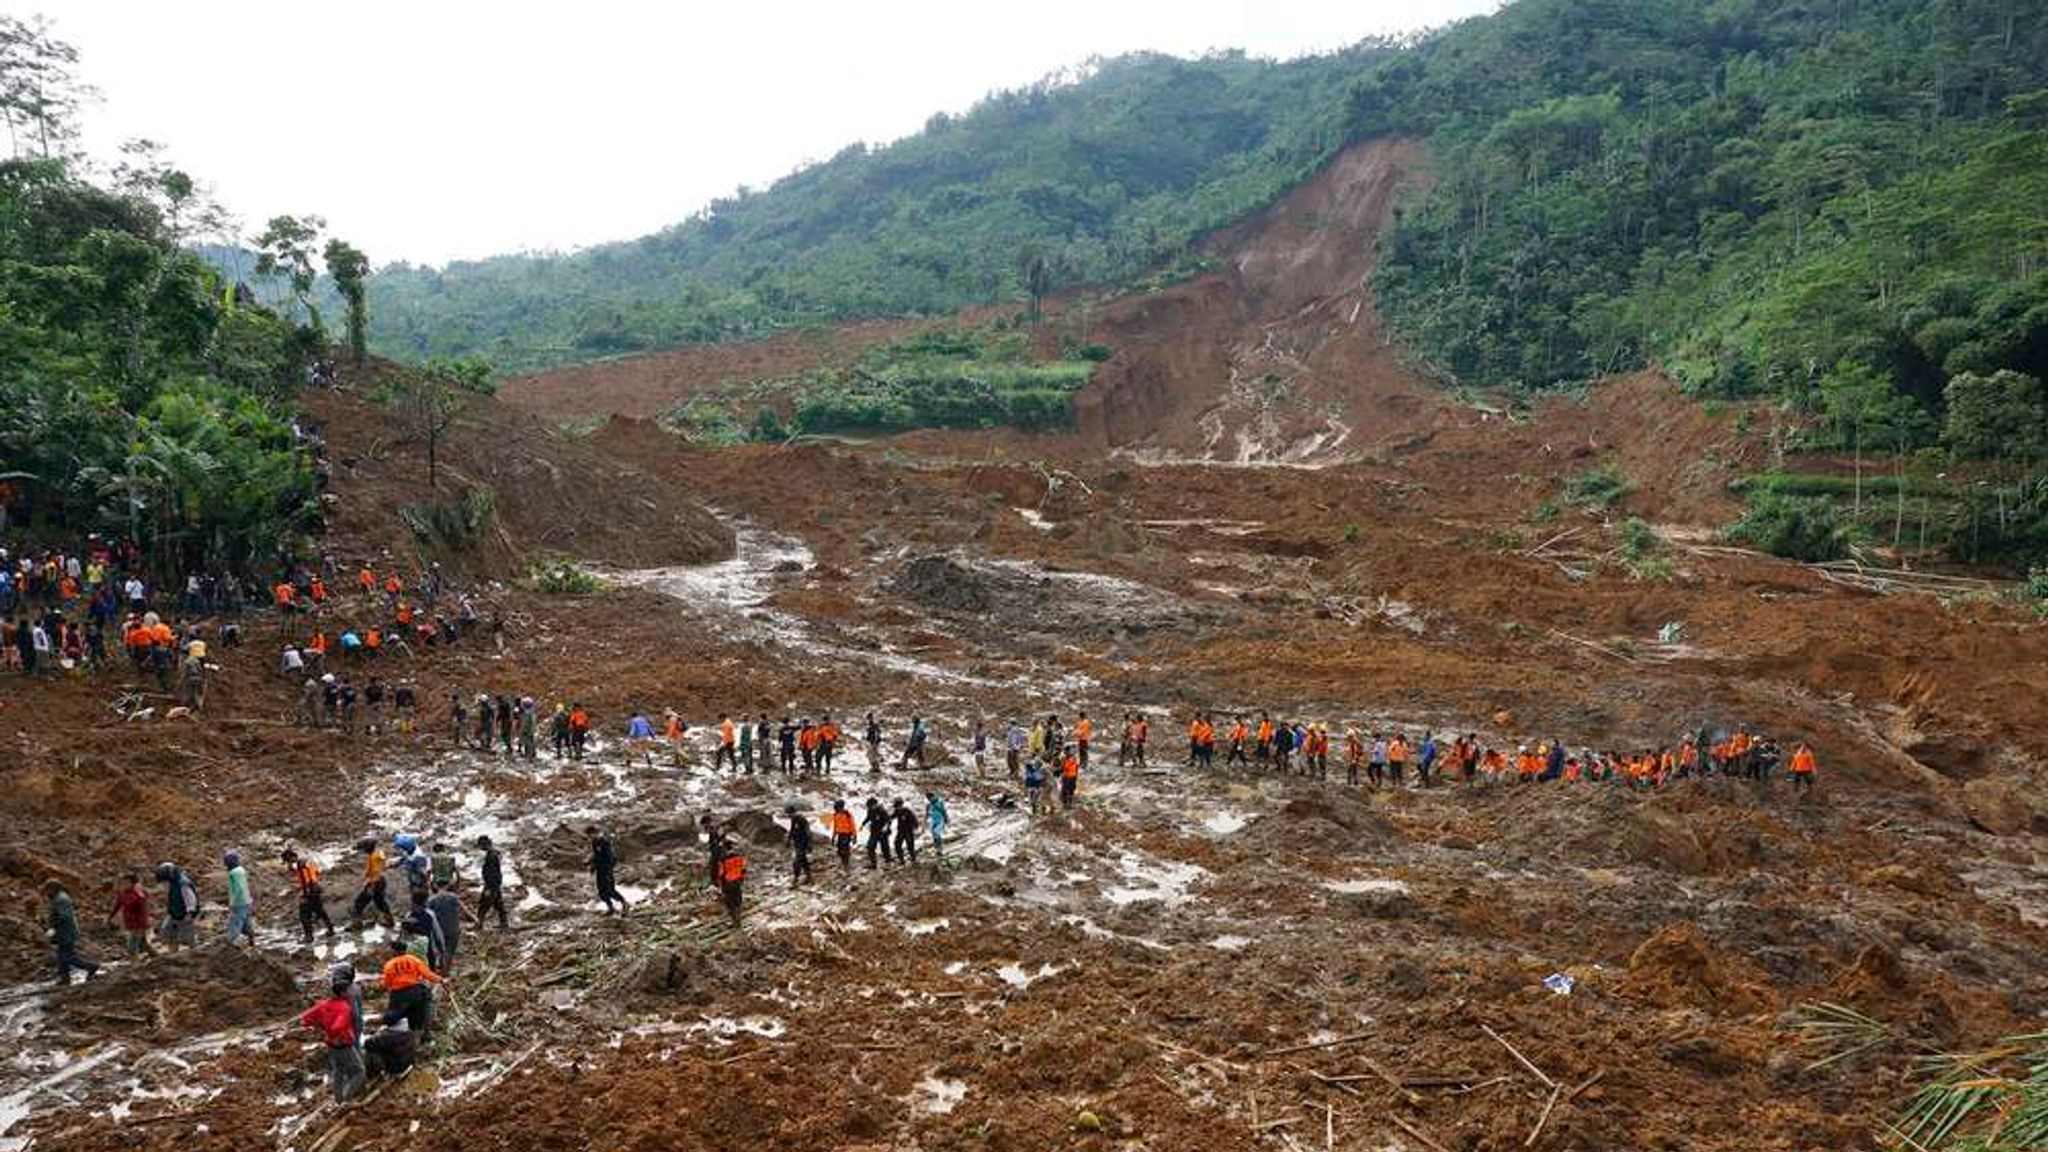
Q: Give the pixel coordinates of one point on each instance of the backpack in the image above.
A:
(183, 897)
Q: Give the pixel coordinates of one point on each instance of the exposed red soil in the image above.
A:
(1411, 584)
(651, 383)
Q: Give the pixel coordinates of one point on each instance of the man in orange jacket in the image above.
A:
(409, 988)
(828, 742)
(842, 834)
(728, 745)
(732, 880)
(1804, 764)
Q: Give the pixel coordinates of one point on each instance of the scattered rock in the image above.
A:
(1997, 806)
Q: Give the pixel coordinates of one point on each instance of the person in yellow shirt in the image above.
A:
(374, 892)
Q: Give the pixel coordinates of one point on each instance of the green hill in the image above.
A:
(1105, 179)
(1833, 205)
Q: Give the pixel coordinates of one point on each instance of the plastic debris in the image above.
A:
(1560, 983)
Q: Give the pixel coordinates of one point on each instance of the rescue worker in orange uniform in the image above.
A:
(1804, 764)
(728, 745)
(732, 879)
(843, 829)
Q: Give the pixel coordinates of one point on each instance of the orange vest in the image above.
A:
(842, 823)
(1803, 761)
(732, 869)
(1071, 768)
(1084, 731)
(725, 733)
(283, 594)
(406, 970)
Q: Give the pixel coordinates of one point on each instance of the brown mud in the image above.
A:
(1187, 960)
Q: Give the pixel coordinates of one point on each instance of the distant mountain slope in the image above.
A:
(1105, 177)
(1839, 204)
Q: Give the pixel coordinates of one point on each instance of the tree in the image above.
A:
(286, 249)
(1864, 407)
(188, 209)
(1034, 271)
(430, 397)
(348, 268)
(39, 93)
(2001, 416)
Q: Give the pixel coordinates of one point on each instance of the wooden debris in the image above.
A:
(1351, 1039)
(1516, 1053)
(769, 1046)
(1548, 1105)
(1603, 649)
(1418, 1133)
(1580, 1090)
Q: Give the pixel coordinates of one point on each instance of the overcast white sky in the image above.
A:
(432, 130)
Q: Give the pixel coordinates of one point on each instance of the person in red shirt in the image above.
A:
(131, 913)
(334, 1018)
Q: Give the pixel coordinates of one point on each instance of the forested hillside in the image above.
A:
(1101, 180)
(1838, 207)
(136, 396)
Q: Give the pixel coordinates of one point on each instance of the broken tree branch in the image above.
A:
(1516, 1053)
(1418, 1133)
(1548, 1105)
(1603, 649)
(1351, 1039)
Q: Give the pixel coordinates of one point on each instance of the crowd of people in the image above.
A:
(334, 648)
(1391, 758)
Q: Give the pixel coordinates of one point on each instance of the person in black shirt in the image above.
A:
(788, 736)
(604, 863)
(493, 898)
(799, 846)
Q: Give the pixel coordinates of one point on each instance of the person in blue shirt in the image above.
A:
(640, 734)
(936, 817)
(1034, 786)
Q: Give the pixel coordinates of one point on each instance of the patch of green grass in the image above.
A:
(1874, 484)
(1596, 489)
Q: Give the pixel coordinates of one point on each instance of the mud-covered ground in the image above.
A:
(1187, 960)
(1131, 973)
